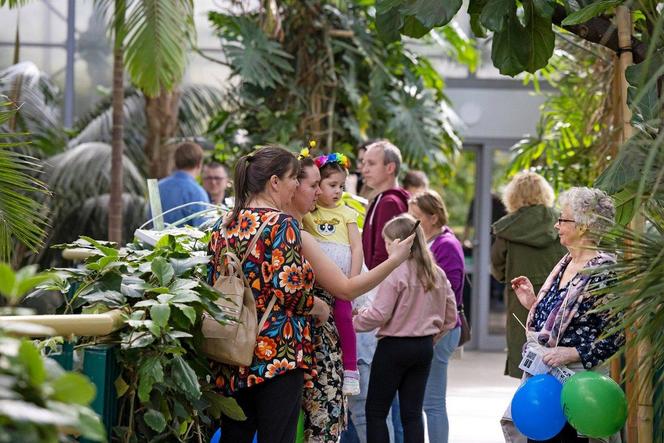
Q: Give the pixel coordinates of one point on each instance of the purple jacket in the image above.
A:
(447, 252)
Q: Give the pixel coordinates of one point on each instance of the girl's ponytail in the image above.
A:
(400, 227)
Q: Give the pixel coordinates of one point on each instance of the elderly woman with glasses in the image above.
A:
(561, 317)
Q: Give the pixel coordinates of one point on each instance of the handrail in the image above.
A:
(72, 324)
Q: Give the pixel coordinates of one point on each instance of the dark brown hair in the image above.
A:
(415, 179)
(306, 162)
(253, 171)
(330, 168)
(188, 155)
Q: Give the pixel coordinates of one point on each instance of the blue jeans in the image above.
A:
(434, 397)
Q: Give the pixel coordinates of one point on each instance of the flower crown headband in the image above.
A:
(334, 157)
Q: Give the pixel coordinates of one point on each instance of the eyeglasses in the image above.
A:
(213, 178)
(563, 220)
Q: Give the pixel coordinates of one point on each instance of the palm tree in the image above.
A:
(155, 36)
(115, 202)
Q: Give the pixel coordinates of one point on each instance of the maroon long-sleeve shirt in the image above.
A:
(383, 208)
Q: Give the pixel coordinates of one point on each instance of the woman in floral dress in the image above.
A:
(269, 391)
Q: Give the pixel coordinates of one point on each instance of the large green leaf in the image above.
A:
(90, 425)
(432, 13)
(413, 28)
(496, 13)
(539, 37)
(642, 92)
(163, 270)
(253, 57)
(185, 378)
(32, 363)
(160, 314)
(157, 38)
(72, 387)
(388, 25)
(508, 51)
(155, 420)
(589, 11)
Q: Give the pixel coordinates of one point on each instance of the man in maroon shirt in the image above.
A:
(380, 169)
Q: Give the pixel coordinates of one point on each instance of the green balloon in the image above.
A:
(594, 404)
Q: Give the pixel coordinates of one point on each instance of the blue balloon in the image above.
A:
(216, 437)
(536, 409)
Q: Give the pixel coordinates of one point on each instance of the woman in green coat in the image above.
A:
(525, 244)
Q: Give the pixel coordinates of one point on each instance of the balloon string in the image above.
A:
(517, 319)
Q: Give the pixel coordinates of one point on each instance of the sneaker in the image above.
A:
(351, 383)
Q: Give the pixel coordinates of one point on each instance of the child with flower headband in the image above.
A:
(334, 225)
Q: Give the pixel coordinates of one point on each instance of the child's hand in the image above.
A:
(400, 249)
(320, 311)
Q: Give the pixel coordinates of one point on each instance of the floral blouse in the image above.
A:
(275, 267)
(585, 328)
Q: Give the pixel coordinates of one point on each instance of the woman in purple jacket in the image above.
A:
(429, 208)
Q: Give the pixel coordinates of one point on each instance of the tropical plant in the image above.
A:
(577, 132)
(154, 37)
(39, 401)
(316, 70)
(164, 387)
(82, 182)
(522, 31)
(21, 214)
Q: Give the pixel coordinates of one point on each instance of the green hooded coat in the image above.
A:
(525, 244)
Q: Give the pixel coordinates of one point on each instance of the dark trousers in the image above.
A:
(567, 435)
(400, 364)
(272, 408)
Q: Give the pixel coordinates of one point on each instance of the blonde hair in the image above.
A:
(400, 227)
(527, 189)
(431, 203)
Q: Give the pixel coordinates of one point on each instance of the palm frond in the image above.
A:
(198, 104)
(157, 36)
(21, 215)
(638, 306)
(96, 126)
(13, 3)
(84, 172)
(36, 98)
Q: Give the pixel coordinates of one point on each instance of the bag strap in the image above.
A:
(271, 216)
(238, 264)
(268, 311)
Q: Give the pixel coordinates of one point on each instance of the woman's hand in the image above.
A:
(320, 311)
(560, 355)
(524, 290)
(400, 249)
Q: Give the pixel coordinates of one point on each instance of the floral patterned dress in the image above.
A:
(586, 327)
(274, 267)
(324, 403)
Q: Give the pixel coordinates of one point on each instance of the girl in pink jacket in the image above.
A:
(414, 307)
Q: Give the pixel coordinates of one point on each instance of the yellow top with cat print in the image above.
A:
(330, 224)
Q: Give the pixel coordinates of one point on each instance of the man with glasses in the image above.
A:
(215, 182)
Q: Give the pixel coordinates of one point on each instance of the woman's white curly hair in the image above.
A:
(591, 207)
